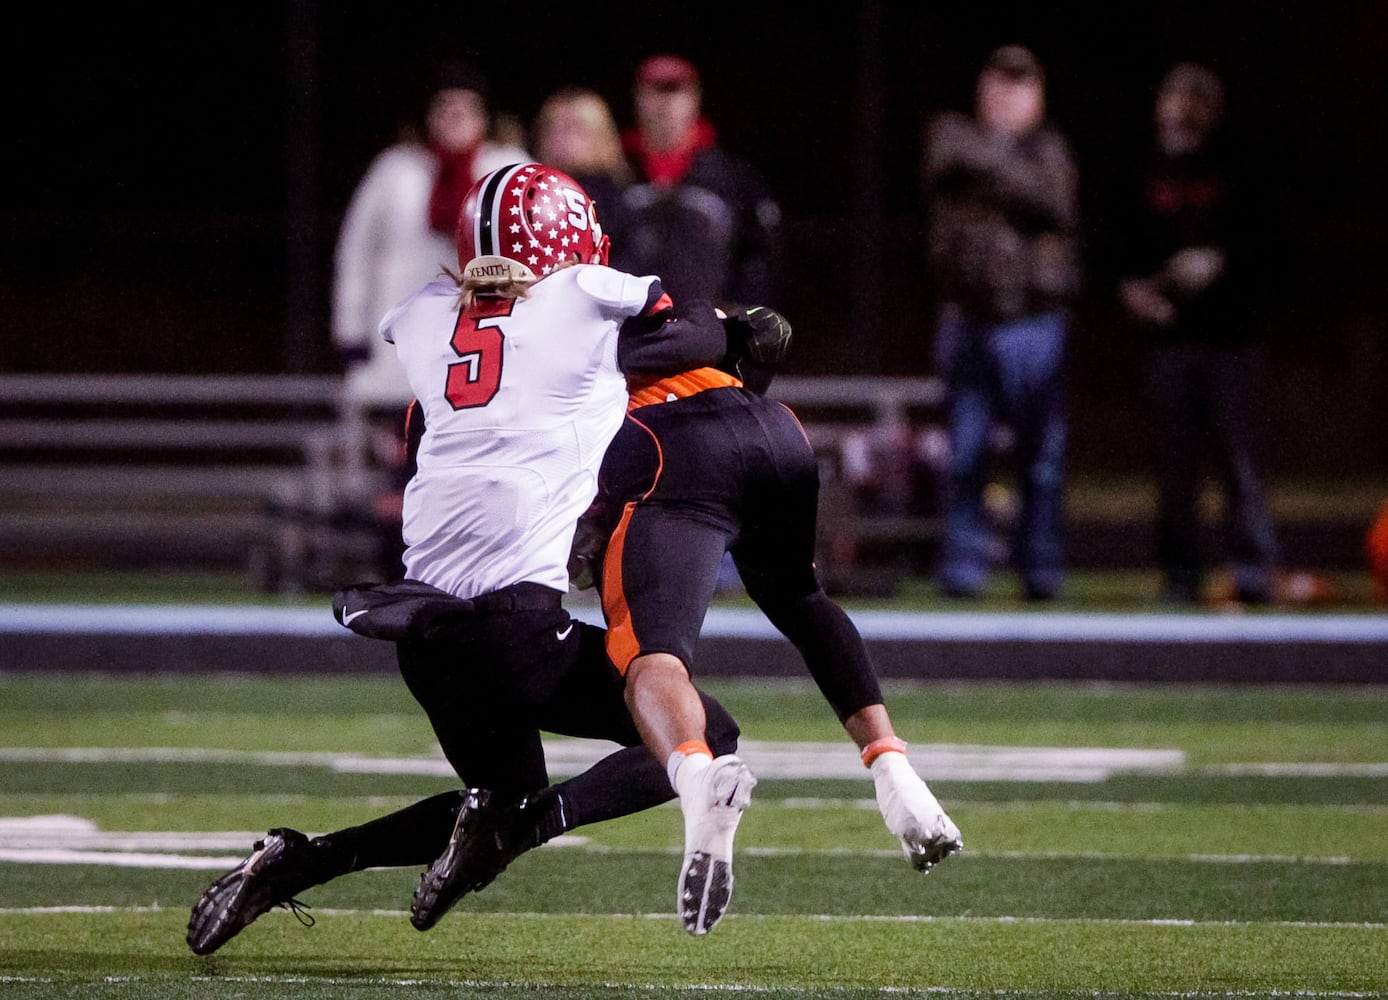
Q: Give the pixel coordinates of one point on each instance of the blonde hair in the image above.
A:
(470, 288)
(587, 109)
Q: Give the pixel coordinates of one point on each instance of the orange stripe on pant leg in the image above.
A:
(622, 646)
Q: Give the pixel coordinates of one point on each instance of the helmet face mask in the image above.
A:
(525, 221)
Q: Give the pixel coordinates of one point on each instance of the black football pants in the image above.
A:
(725, 470)
(492, 684)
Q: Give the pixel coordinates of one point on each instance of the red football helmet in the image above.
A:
(522, 221)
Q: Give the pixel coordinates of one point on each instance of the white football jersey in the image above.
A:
(520, 401)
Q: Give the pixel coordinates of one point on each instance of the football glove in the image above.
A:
(763, 334)
(758, 341)
(588, 549)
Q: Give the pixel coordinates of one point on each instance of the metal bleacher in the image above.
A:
(174, 470)
(271, 473)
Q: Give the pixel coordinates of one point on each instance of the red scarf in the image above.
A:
(450, 188)
(668, 166)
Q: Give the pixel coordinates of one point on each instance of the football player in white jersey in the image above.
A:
(536, 388)
(519, 364)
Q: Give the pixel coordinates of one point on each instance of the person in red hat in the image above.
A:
(700, 217)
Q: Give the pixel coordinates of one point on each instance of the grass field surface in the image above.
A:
(1191, 841)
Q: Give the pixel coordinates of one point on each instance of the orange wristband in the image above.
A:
(877, 748)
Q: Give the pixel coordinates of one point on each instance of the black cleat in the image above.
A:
(279, 867)
(705, 889)
(487, 837)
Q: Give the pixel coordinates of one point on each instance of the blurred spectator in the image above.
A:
(696, 215)
(1190, 254)
(397, 232)
(575, 131)
(1000, 191)
(396, 235)
(508, 130)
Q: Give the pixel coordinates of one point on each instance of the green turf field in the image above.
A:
(1236, 847)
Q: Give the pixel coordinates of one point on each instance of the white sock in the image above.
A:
(676, 766)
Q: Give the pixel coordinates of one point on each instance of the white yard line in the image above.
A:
(836, 759)
(117, 859)
(819, 918)
(809, 991)
(1297, 769)
(839, 759)
(73, 840)
(819, 990)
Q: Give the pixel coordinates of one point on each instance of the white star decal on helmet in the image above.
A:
(536, 202)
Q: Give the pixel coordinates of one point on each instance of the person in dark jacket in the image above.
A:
(1190, 258)
(1000, 190)
(698, 216)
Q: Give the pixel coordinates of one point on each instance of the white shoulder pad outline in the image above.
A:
(615, 289)
(442, 286)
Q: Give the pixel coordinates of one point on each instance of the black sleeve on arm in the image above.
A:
(664, 340)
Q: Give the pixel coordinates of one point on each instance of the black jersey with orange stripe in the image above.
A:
(663, 390)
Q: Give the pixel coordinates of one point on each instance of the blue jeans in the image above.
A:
(1010, 373)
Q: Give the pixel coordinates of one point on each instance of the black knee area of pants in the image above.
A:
(721, 730)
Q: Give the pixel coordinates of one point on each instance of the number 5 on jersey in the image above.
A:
(474, 379)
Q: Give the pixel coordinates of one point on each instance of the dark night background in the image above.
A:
(177, 174)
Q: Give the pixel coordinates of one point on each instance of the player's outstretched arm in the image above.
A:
(758, 342)
(667, 340)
